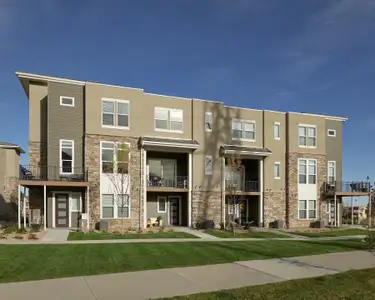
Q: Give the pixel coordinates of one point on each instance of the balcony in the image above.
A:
(159, 183)
(343, 188)
(242, 186)
(48, 173)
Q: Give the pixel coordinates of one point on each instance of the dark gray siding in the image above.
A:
(65, 122)
(334, 146)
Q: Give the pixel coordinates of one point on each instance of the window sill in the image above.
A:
(245, 140)
(277, 177)
(116, 127)
(69, 105)
(277, 138)
(167, 130)
(109, 219)
(309, 147)
(161, 212)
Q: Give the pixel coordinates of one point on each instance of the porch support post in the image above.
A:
(261, 202)
(88, 207)
(338, 213)
(369, 211)
(352, 212)
(24, 211)
(190, 187)
(44, 207)
(335, 199)
(19, 206)
(223, 190)
(144, 183)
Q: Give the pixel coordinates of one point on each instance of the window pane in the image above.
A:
(312, 204)
(250, 135)
(108, 145)
(67, 101)
(161, 114)
(122, 108)
(66, 166)
(312, 214)
(176, 125)
(236, 125)
(123, 120)
(123, 167)
(162, 206)
(107, 212)
(75, 203)
(277, 170)
(312, 179)
(302, 141)
(312, 170)
(311, 141)
(208, 165)
(249, 126)
(208, 121)
(161, 124)
(302, 131)
(302, 178)
(302, 169)
(311, 132)
(107, 167)
(123, 212)
(66, 144)
(107, 155)
(236, 134)
(108, 119)
(176, 115)
(302, 214)
(302, 204)
(276, 131)
(107, 200)
(66, 154)
(108, 107)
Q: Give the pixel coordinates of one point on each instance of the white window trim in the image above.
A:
(307, 210)
(212, 165)
(115, 114)
(243, 130)
(115, 144)
(115, 208)
(61, 166)
(307, 170)
(307, 128)
(169, 120)
(277, 124)
(208, 113)
(334, 130)
(166, 204)
(70, 202)
(334, 175)
(66, 97)
(277, 164)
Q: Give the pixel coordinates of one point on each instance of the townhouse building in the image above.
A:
(176, 163)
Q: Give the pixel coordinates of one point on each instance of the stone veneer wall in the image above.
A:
(292, 187)
(274, 207)
(37, 154)
(206, 205)
(92, 163)
(10, 199)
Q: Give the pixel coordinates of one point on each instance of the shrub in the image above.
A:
(18, 237)
(32, 236)
(370, 241)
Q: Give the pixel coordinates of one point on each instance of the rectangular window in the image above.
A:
(276, 170)
(115, 157)
(331, 132)
(307, 136)
(123, 206)
(66, 157)
(208, 121)
(331, 172)
(208, 165)
(162, 204)
(276, 131)
(115, 113)
(244, 130)
(66, 101)
(108, 206)
(168, 119)
(75, 202)
(307, 171)
(307, 209)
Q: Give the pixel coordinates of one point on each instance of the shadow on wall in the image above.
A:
(8, 209)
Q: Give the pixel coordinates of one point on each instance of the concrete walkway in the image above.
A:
(183, 281)
(197, 233)
(56, 235)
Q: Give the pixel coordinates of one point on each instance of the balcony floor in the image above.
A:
(165, 189)
(347, 194)
(240, 193)
(31, 183)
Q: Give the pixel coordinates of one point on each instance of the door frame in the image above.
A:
(69, 205)
(179, 210)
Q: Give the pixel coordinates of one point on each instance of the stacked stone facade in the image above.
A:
(37, 154)
(274, 207)
(92, 163)
(207, 205)
(292, 188)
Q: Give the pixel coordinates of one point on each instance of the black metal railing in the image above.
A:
(177, 182)
(347, 187)
(242, 186)
(53, 173)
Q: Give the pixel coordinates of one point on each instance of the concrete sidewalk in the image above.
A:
(183, 281)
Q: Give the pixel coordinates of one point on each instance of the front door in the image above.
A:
(62, 210)
(174, 211)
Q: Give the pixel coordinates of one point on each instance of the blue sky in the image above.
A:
(292, 55)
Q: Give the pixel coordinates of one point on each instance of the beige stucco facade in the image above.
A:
(278, 197)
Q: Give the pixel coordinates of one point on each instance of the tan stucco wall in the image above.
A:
(37, 93)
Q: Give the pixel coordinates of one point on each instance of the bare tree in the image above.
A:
(234, 184)
(118, 174)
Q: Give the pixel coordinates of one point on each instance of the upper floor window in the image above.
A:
(307, 135)
(244, 130)
(331, 172)
(276, 131)
(115, 157)
(66, 157)
(276, 170)
(208, 165)
(167, 119)
(331, 132)
(307, 171)
(66, 101)
(208, 121)
(115, 113)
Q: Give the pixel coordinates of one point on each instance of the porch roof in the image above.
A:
(168, 142)
(243, 150)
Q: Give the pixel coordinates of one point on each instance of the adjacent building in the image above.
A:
(116, 153)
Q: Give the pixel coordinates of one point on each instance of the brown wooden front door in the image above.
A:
(174, 211)
(62, 210)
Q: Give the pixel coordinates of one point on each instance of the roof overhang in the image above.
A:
(226, 150)
(15, 147)
(154, 143)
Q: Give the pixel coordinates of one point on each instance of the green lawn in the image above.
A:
(33, 262)
(332, 233)
(74, 236)
(250, 234)
(354, 285)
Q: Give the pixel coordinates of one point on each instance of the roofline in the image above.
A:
(334, 118)
(15, 147)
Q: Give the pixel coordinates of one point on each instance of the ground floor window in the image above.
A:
(115, 206)
(307, 209)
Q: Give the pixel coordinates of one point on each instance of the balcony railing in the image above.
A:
(347, 187)
(242, 186)
(48, 173)
(178, 182)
